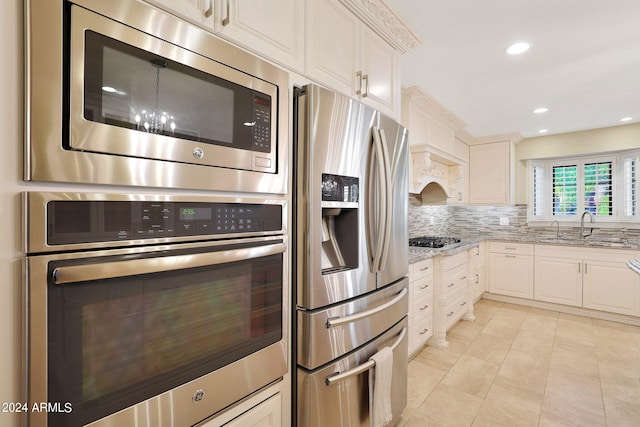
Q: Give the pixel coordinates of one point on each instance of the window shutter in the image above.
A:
(630, 189)
(598, 191)
(537, 196)
(565, 190)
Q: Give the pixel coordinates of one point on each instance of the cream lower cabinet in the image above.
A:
(609, 285)
(451, 296)
(511, 269)
(557, 279)
(476, 277)
(420, 304)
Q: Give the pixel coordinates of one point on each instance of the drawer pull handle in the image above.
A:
(463, 303)
(424, 287)
(424, 331)
(449, 314)
(424, 268)
(509, 256)
(451, 285)
(511, 249)
(424, 307)
(463, 277)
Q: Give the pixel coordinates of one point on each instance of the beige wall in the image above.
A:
(626, 137)
(11, 122)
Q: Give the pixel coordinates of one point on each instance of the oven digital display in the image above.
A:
(193, 213)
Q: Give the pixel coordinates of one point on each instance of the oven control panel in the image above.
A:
(87, 221)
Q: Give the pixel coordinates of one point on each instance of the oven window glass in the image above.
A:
(116, 342)
(131, 88)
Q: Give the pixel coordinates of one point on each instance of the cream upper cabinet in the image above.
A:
(273, 29)
(199, 12)
(345, 55)
(491, 173)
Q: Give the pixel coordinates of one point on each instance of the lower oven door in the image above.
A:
(158, 336)
(338, 394)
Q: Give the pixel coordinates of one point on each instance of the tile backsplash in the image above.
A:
(485, 221)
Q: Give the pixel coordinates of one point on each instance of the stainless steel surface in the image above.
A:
(351, 255)
(141, 162)
(341, 136)
(35, 217)
(175, 407)
(346, 402)
(107, 270)
(319, 341)
(332, 379)
(332, 322)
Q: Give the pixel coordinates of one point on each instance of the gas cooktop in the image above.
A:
(433, 241)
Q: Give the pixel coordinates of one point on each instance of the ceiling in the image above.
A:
(583, 65)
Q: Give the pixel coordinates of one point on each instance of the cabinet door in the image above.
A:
(511, 275)
(379, 65)
(610, 286)
(558, 280)
(199, 12)
(490, 173)
(273, 29)
(332, 43)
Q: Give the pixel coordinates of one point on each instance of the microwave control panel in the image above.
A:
(262, 123)
(82, 221)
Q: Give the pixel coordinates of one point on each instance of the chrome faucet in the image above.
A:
(557, 229)
(582, 235)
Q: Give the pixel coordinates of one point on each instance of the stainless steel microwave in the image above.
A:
(123, 93)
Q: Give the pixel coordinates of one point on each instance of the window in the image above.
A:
(561, 189)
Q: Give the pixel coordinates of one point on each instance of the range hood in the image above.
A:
(434, 194)
(435, 179)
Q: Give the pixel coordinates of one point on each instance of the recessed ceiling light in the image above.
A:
(518, 48)
(626, 119)
(543, 131)
(540, 110)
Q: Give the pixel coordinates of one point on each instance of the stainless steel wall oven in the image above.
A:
(152, 310)
(122, 93)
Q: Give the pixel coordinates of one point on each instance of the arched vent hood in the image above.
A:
(434, 194)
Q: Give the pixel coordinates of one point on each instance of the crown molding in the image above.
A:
(421, 99)
(383, 20)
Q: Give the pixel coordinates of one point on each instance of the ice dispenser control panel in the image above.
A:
(338, 188)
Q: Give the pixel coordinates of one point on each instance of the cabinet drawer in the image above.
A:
(422, 330)
(421, 269)
(454, 280)
(421, 286)
(455, 311)
(452, 261)
(422, 306)
(511, 248)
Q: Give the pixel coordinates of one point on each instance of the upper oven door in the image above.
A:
(110, 330)
(136, 95)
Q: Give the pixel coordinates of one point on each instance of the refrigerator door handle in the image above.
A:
(340, 376)
(376, 185)
(388, 198)
(338, 321)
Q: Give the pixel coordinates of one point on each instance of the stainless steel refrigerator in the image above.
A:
(350, 256)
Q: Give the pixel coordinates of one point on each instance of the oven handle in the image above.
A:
(339, 376)
(108, 270)
(338, 321)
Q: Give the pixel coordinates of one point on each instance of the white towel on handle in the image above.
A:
(380, 388)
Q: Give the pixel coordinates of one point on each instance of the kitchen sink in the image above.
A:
(605, 243)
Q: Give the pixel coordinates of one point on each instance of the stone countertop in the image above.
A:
(417, 254)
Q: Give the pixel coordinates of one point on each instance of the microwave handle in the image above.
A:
(114, 269)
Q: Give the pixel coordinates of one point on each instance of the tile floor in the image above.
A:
(522, 366)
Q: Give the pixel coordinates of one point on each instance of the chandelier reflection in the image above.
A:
(156, 120)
